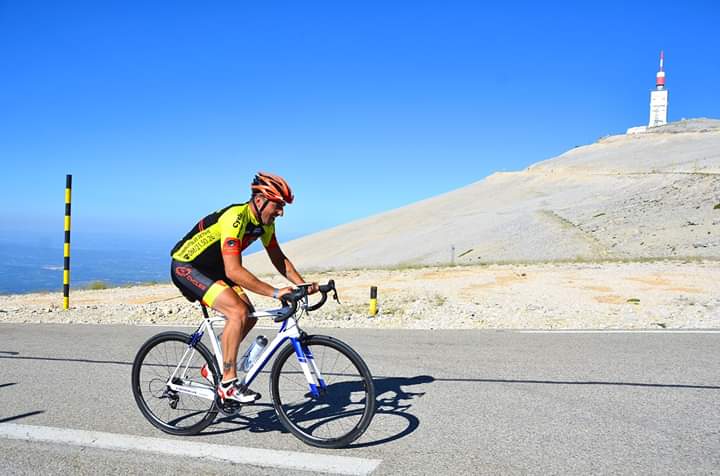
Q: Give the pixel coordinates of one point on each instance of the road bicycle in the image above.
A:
(324, 396)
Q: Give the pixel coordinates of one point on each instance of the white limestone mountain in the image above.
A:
(650, 195)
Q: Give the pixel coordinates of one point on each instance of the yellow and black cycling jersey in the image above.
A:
(227, 231)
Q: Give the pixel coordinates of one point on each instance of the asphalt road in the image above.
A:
(477, 402)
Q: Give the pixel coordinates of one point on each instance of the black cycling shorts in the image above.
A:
(195, 284)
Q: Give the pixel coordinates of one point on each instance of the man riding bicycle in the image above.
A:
(207, 265)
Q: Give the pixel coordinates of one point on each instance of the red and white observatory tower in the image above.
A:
(659, 98)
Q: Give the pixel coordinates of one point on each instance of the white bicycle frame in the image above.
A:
(288, 331)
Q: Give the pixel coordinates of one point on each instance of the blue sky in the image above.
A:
(163, 111)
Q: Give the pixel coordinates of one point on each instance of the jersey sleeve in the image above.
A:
(232, 228)
(268, 238)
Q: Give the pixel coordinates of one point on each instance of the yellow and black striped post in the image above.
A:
(373, 301)
(66, 248)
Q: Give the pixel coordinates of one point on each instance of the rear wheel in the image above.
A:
(341, 412)
(172, 411)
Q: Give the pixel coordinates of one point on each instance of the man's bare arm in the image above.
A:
(283, 264)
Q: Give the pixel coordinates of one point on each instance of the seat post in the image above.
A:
(204, 311)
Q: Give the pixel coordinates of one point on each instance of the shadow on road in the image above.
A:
(14, 355)
(22, 415)
(393, 420)
(395, 396)
(393, 401)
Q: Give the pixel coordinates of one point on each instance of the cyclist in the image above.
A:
(207, 265)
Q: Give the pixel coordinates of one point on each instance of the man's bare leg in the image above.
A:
(236, 309)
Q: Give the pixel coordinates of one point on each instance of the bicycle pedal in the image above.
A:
(229, 408)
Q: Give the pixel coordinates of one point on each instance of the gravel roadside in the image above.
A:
(641, 295)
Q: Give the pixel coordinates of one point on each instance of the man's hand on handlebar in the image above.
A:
(291, 296)
(283, 291)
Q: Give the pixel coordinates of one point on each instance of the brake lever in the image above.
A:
(335, 296)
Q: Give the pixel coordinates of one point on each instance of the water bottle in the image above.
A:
(253, 352)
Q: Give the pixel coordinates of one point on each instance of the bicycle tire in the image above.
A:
(138, 385)
(291, 415)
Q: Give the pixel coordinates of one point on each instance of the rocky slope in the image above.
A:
(651, 195)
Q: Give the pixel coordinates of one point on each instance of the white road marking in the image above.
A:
(235, 454)
(621, 331)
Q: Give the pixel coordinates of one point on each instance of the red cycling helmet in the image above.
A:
(272, 187)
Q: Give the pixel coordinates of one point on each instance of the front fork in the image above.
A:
(310, 369)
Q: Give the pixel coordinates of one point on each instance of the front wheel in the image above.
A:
(339, 409)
